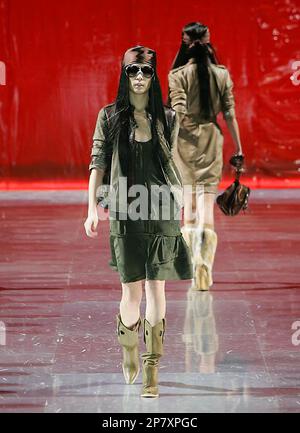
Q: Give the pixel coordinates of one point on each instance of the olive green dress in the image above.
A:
(149, 247)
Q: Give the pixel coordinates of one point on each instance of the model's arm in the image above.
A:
(96, 178)
(233, 127)
(97, 168)
(177, 96)
(228, 108)
(91, 222)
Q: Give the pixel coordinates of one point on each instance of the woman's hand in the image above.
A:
(90, 225)
(237, 160)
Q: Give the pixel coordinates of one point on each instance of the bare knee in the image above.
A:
(190, 209)
(132, 293)
(130, 303)
(155, 290)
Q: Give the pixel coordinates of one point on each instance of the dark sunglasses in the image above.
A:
(133, 70)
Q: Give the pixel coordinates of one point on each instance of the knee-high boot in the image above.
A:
(208, 250)
(153, 338)
(193, 235)
(129, 340)
(193, 238)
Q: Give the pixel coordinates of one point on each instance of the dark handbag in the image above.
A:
(236, 196)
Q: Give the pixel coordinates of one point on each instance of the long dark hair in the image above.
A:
(203, 53)
(119, 121)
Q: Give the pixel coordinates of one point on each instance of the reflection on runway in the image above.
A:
(2, 334)
(200, 333)
(232, 349)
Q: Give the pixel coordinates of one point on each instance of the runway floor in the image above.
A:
(234, 349)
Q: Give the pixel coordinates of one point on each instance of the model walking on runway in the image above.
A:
(133, 140)
(199, 89)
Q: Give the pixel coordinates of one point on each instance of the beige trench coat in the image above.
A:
(199, 151)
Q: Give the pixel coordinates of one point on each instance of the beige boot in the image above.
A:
(129, 339)
(193, 236)
(153, 338)
(208, 249)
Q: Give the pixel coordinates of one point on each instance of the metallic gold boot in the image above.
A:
(129, 339)
(153, 338)
(208, 250)
(193, 236)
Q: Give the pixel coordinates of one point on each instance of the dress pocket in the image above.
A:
(163, 249)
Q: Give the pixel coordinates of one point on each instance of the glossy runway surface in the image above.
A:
(230, 350)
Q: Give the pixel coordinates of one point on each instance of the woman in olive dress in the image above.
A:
(133, 140)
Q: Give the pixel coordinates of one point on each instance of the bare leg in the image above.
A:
(155, 301)
(130, 303)
(209, 200)
(190, 214)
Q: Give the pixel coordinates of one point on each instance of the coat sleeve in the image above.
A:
(228, 102)
(174, 133)
(177, 93)
(100, 147)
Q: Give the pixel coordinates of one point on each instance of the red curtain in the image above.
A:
(61, 61)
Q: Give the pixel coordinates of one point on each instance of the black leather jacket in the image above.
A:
(105, 156)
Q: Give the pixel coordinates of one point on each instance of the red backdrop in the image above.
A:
(62, 63)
